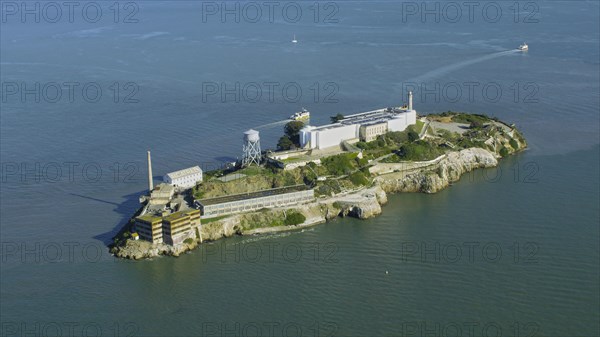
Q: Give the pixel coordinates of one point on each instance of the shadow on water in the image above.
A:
(225, 159)
(126, 209)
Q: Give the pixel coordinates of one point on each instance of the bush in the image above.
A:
(284, 143)
(328, 187)
(504, 152)
(466, 143)
(513, 143)
(336, 118)
(292, 130)
(338, 165)
(308, 176)
(476, 124)
(412, 135)
(469, 118)
(419, 151)
(294, 219)
(397, 137)
(359, 179)
(189, 241)
(392, 159)
(361, 161)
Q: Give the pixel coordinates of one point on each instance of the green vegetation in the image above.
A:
(467, 142)
(294, 218)
(336, 118)
(476, 124)
(254, 178)
(470, 118)
(412, 135)
(189, 241)
(284, 143)
(358, 178)
(448, 135)
(254, 170)
(513, 143)
(419, 126)
(504, 152)
(264, 219)
(292, 131)
(340, 164)
(419, 151)
(394, 158)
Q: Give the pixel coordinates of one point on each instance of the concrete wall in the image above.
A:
(402, 121)
(334, 136)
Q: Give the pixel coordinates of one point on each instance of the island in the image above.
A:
(317, 174)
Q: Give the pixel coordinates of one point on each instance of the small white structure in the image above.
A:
(186, 178)
(251, 148)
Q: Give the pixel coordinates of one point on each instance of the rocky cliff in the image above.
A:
(439, 175)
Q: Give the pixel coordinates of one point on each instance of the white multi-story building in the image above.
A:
(186, 178)
(365, 126)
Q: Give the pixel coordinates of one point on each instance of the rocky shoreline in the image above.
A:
(427, 177)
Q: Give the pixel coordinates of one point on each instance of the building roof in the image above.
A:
(185, 172)
(363, 118)
(149, 217)
(178, 215)
(162, 191)
(252, 195)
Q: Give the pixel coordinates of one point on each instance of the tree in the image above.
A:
(294, 218)
(476, 124)
(412, 135)
(292, 130)
(336, 118)
(284, 143)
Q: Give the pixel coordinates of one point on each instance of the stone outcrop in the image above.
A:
(139, 249)
(363, 205)
(438, 176)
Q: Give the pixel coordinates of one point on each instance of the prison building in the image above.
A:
(184, 179)
(369, 132)
(365, 126)
(283, 196)
(149, 227)
(161, 194)
(179, 226)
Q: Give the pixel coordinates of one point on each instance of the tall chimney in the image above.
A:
(410, 100)
(150, 183)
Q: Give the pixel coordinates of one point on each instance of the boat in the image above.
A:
(294, 40)
(304, 114)
(523, 47)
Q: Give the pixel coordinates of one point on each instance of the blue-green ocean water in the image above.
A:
(507, 251)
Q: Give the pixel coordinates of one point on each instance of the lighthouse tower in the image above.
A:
(410, 99)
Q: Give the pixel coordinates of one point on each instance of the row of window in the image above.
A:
(232, 208)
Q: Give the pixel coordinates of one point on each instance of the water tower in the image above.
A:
(251, 148)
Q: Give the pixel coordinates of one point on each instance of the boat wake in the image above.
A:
(459, 65)
(272, 125)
